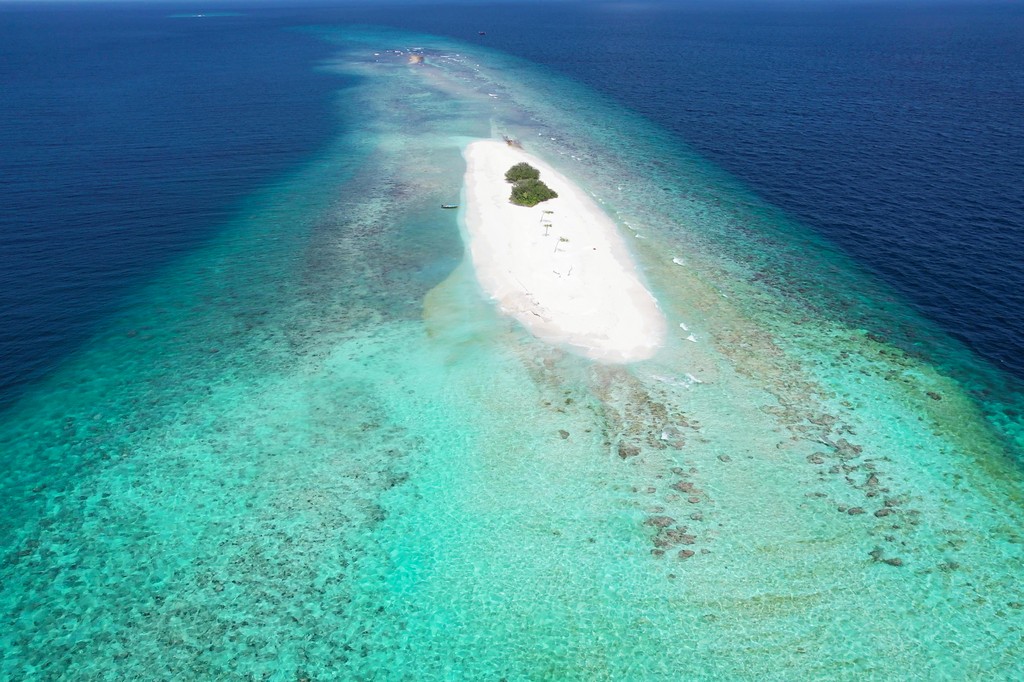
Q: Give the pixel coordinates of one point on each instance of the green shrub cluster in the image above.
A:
(521, 171)
(527, 187)
(531, 192)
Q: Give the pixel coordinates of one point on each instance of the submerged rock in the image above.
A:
(660, 521)
(847, 450)
(673, 536)
(626, 450)
(823, 420)
(673, 435)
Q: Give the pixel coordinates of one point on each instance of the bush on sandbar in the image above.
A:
(531, 192)
(521, 171)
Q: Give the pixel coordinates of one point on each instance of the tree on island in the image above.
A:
(531, 193)
(527, 188)
(521, 171)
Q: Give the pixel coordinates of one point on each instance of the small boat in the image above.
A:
(449, 205)
(481, 33)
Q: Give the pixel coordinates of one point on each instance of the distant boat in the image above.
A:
(449, 205)
(480, 33)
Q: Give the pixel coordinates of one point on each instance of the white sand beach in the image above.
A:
(570, 282)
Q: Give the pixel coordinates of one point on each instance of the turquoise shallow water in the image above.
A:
(313, 449)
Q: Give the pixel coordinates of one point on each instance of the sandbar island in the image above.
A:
(560, 268)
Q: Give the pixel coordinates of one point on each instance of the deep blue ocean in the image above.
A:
(128, 138)
(894, 130)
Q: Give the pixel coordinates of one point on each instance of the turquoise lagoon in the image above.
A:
(314, 449)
